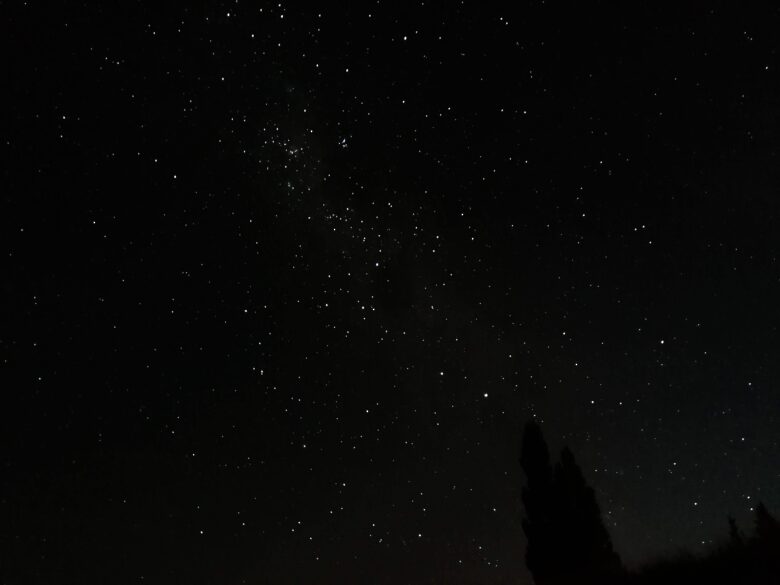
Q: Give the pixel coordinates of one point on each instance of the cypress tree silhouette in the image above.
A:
(766, 545)
(735, 536)
(584, 539)
(767, 526)
(567, 540)
(539, 523)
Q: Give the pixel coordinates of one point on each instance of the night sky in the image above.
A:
(281, 283)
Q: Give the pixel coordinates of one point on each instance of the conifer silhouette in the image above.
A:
(539, 523)
(767, 526)
(585, 540)
(735, 536)
(567, 540)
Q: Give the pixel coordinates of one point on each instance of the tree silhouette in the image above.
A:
(567, 540)
(735, 536)
(586, 542)
(741, 560)
(568, 543)
(539, 523)
(767, 526)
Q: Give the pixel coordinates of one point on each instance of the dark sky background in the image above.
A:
(282, 283)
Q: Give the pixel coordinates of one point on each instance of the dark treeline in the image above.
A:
(568, 543)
